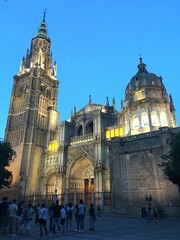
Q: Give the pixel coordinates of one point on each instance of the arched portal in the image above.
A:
(81, 176)
(52, 183)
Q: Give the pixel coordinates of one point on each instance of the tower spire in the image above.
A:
(42, 31)
(90, 101)
(107, 102)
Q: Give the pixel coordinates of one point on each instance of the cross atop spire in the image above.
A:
(44, 15)
(42, 31)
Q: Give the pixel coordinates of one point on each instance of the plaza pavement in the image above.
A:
(115, 228)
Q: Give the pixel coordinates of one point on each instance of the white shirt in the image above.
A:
(63, 213)
(81, 209)
(13, 210)
(43, 213)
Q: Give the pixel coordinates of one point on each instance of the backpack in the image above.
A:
(70, 212)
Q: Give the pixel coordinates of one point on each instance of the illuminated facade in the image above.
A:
(33, 119)
(93, 150)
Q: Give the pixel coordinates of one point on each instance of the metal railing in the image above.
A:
(97, 198)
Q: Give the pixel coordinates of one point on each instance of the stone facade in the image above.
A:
(136, 172)
(99, 149)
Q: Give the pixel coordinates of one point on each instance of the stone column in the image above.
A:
(92, 197)
(102, 199)
(83, 196)
(75, 198)
(66, 197)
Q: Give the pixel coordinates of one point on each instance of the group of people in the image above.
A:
(12, 215)
(17, 219)
(152, 214)
(62, 216)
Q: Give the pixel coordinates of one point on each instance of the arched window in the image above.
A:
(89, 128)
(163, 119)
(48, 93)
(144, 119)
(80, 131)
(135, 122)
(42, 89)
(154, 119)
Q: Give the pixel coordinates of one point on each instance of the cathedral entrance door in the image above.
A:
(81, 179)
(88, 184)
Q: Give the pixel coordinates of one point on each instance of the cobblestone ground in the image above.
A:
(113, 228)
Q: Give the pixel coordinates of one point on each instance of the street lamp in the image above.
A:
(148, 199)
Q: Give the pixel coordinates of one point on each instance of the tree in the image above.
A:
(171, 161)
(7, 156)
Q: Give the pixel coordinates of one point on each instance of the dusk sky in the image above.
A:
(96, 44)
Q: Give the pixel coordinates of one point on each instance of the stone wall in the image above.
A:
(135, 172)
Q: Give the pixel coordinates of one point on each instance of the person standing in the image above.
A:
(56, 216)
(4, 207)
(69, 216)
(51, 217)
(76, 210)
(13, 208)
(81, 215)
(28, 216)
(92, 214)
(37, 208)
(63, 217)
(42, 219)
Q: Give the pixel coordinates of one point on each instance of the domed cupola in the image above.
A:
(146, 106)
(143, 80)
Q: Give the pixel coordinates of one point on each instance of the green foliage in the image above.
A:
(7, 155)
(171, 161)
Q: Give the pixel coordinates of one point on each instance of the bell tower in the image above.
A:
(34, 95)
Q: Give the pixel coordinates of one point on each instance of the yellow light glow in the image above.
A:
(139, 95)
(112, 133)
(121, 131)
(49, 147)
(116, 132)
(107, 134)
(53, 146)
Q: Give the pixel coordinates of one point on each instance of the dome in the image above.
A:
(144, 79)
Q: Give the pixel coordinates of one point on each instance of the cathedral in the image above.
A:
(100, 154)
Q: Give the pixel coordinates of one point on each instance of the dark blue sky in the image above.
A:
(96, 44)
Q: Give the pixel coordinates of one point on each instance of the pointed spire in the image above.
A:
(90, 101)
(71, 116)
(22, 65)
(55, 69)
(107, 101)
(27, 52)
(74, 110)
(141, 66)
(172, 108)
(42, 31)
(122, 105)
(114, 103)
